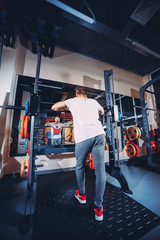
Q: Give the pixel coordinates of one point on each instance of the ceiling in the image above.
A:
(126, 33)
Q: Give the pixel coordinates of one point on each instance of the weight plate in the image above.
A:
(91, 163)
(28, 167)
(28, 147)
(26, 127)
(130, 150)
(26, 144)
(132, 133)
(154, 147)
(22, 126)
(139, 132)
(137, 148)
(26, 108)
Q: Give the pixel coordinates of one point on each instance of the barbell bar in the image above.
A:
(151, 109)
(21, 107)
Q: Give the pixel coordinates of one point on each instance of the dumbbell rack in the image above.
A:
(114, 165)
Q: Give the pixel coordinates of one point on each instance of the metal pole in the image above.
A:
(39, 55)
(134, 108)
(116, 125)
(32, 150)
(109, 124)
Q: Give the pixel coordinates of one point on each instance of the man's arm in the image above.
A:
(101, 111)
(59, 106)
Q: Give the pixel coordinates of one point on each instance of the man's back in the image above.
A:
(85, 113)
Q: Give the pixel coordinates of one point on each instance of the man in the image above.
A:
(57, 128)
(54, 135)
(89, 137)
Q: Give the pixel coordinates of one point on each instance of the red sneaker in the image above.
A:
(80, 198)
(98, 213)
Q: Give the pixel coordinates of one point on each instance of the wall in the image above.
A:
(77, 69)
(64, 67)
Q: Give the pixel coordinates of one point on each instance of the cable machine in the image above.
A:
(111, 123)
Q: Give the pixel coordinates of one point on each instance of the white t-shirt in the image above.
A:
(57, 134)
(85, 112)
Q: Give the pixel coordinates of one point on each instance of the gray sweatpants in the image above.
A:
(94, 145)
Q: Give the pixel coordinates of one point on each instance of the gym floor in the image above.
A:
(143, 183)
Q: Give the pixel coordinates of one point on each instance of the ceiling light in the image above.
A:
(146, 49)
(71, 11)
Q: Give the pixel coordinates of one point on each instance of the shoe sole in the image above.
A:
(79, 200)
(99, 218)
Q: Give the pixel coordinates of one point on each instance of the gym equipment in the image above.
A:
(156, 133)
(27, 108)
(27, 127)
(22, 169)
(26, 144)
(70, 134)
(139, 132)
(90, 161)
(106, 146)
(131, 149)
(28, 147)
(149, 157)
(34, 110)
(19, 127)
(133, 133)
(28, 163)
(137, 149)
(155, 148)
(152, 158)
(22, 126)
(113, 168)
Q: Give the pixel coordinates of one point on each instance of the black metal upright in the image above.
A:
(34, 112)
(110, 124)
(113, 168)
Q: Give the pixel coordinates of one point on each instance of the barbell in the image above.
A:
(26, 107)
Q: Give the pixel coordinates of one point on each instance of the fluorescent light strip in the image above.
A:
(71, 11)
(146, 49)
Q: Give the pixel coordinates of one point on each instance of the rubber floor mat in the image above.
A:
(60, 216)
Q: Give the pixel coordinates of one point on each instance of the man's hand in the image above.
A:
(59, 106)
(101, 111)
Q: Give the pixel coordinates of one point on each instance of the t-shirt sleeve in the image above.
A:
(99, 106)
(69, 103)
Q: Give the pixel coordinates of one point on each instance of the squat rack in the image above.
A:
(113, 169)
(143, 89)
(114, 165)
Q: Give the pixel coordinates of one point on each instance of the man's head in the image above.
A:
(57, 119)
(81, 92)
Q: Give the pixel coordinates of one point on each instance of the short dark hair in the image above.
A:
(81, 91)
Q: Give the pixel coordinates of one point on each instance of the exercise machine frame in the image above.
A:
(113, 168)
(143, 89)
